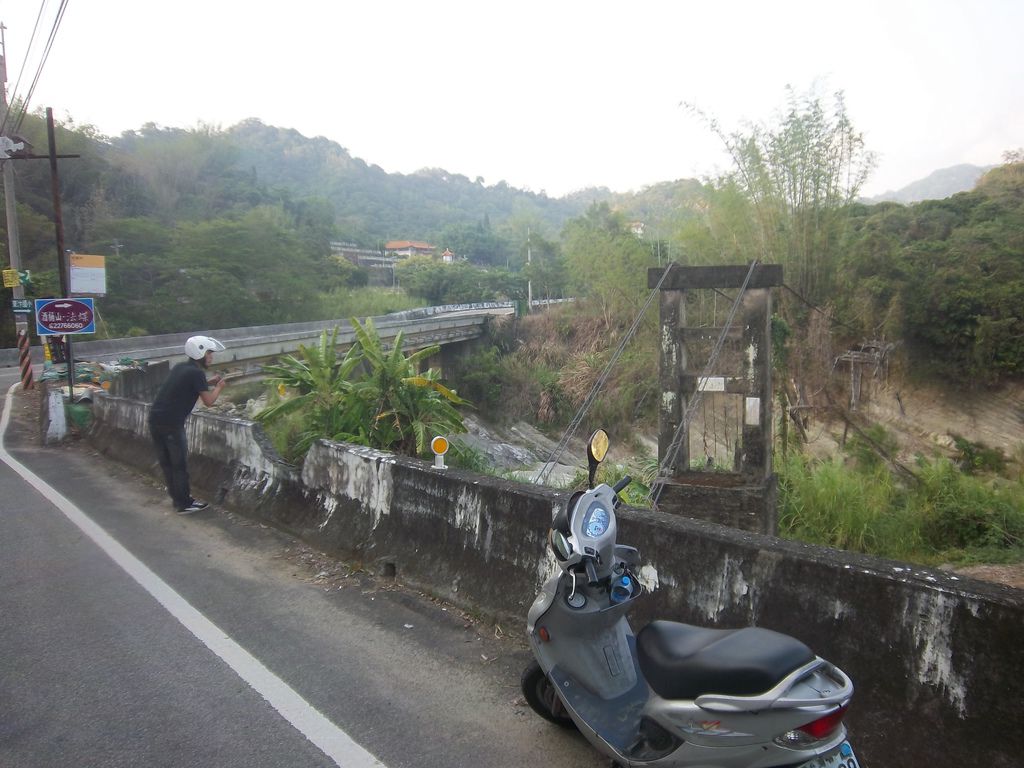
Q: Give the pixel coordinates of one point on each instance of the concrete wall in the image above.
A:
(938, 661)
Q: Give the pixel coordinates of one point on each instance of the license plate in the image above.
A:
(840, 757)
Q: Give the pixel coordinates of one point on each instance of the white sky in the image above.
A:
(554, 96)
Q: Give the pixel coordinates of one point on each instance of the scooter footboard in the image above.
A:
(816, 684)
(615, 721)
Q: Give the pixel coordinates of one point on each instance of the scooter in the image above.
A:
(674, 694)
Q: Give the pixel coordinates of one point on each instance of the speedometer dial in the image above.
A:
(596, 522)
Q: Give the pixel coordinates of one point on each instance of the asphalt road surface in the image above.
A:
(132, 636)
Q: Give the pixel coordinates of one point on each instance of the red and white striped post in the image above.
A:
(25, 358)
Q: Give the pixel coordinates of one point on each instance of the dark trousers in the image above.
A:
(171, 452)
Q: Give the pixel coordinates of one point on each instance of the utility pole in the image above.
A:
(529, 282)
(13, 240)
(58, 222)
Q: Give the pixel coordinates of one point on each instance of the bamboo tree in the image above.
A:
(800, 176)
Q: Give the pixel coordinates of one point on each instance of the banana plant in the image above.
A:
(406, 407)
(322, 386)
(370, 396)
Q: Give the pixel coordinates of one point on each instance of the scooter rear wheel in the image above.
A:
(542, 697)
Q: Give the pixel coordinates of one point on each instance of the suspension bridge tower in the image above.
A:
(715, 418)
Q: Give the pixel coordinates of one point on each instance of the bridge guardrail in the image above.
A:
(285, 336)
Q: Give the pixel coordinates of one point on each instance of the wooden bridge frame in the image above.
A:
(744, 498)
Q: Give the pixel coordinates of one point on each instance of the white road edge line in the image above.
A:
(328, 737)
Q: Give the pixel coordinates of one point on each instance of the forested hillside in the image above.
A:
(207, 228)
(944, 277)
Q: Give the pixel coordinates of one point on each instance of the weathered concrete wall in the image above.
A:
(937, 660)
(140, 383)
(737, 505)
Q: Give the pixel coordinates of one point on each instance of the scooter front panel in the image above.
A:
(616, 720)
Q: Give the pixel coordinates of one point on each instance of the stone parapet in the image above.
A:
(938, 661)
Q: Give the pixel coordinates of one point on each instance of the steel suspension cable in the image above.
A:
(672, 451)
(570, 430)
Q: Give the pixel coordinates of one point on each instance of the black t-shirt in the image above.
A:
(178, 394)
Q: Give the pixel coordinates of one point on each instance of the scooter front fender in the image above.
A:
(542, 603)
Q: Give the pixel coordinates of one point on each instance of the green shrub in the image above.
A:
(286, 435)
(479, 377)
(367, 302)
(466, 456)
(870, 448)
(371, 395)
(827, 503)
(963, 512)
(946, 516)
(978, 457)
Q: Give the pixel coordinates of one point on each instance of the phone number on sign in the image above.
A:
(65, 326)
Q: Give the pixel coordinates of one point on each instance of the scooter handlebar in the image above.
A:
(626, 480)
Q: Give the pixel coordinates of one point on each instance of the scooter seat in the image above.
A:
(681, 661)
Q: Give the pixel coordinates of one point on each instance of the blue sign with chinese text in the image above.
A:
(58, 317)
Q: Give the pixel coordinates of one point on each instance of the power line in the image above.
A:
(545, 470)
(24, 63)
(42, 63)
(25, 101)
(820, 311)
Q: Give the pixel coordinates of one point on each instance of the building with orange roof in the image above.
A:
(409, 248)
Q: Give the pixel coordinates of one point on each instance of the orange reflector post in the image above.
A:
(439, 445)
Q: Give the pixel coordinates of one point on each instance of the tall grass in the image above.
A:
(367, 302)
(947, 516)
(966, 513)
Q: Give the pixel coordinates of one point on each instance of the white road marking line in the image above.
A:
(328, 737)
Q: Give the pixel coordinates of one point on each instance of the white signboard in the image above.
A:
(711, 384)
(88, 274)
(753, 411)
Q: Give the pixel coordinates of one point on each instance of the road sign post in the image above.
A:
(61, 317)
(66, 317)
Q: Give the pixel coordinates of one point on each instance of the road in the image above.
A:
(132, 636)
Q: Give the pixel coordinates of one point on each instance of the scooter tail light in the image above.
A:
(544, 635)
(825, 726)
(814, 731)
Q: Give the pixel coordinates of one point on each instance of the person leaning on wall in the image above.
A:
(186, 384)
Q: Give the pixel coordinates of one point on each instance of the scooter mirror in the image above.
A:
(597, 449)
(561, 544)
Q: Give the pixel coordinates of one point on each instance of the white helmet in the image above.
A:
(197, 346)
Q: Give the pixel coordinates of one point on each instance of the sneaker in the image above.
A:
(195, 506)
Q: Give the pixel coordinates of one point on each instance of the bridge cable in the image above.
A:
(672, 451)
(570, 430)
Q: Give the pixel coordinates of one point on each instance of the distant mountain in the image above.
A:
(937, 185)
(372, 204)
